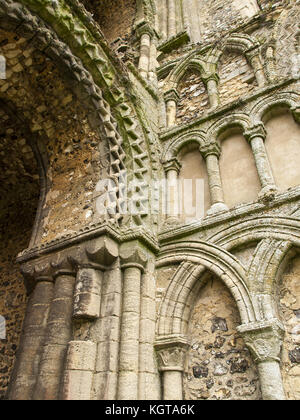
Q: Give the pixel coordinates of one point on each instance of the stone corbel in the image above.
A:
(264, 340)
(211, 153)
(171, 355)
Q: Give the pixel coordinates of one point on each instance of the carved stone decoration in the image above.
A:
(91, 261)
(264, 339)
(132, 255)
(171, 353)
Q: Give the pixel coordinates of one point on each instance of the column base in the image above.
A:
(217, 208)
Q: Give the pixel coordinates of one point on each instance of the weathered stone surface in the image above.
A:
(98, 94)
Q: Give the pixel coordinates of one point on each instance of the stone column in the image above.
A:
(133, 262)
(149, 388)
(211, 154)
(255, 61)
(212, 83)
(171, 101)
(79, 370)
(172, 169)
(88, 380)
(58, 334)
(25, 371)
(171, 352)
(171, 18)
(264, 339)
(256, 137)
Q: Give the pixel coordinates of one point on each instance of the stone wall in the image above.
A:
(219, 365)
(115, 17)
(60, 123)
(193, 98)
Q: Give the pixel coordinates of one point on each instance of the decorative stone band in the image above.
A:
(171, 352)
(264, 339)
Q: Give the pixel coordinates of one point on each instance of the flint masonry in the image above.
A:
(112, 287)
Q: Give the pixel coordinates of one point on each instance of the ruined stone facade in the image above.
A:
(149, 199)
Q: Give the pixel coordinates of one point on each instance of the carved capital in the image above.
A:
(144, 28)
(210, 149)
(62, 265)
(37, 271)
(99, 254)
(132, 255)
(264, 339)
(47, 269)
(171, 353)
(172, 165)
(208, 77)
(254, 132)
(171, 95)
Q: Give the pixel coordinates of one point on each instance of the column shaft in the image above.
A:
(34, 330)
(107, 336)
(213, 93)
(130, 334)
(149, 388)
(58, 336)
(172, 195)
(271, 380)
(172, 385)
(258, 69)
(214, 179)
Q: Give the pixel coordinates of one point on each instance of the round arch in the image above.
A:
(195, 258)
